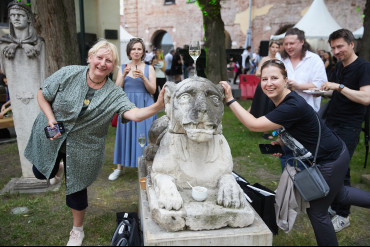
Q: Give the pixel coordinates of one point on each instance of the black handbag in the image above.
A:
(309, 182)
(128, 231)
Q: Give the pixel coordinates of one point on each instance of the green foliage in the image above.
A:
(210, 8)
(359, 9)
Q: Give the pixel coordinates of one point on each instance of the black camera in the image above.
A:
(51, 132)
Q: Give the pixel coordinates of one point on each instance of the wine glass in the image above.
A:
(194, 52)
(142, 142)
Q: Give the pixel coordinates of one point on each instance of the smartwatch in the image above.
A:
(341, 86)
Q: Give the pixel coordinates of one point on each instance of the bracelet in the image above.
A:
(230, 102)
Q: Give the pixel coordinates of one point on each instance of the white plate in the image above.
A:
(314, 92)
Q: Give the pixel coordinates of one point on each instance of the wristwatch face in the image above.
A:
(341, 86)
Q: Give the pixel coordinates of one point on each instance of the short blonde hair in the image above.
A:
(102, 43)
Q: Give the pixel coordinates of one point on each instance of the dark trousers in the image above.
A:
(159, 85)
(334, 174)
(238, 72)
(351, 137)
(78, 200)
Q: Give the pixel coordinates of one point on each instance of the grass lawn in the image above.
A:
(49, 220)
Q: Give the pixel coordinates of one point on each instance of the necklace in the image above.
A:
(88, 74)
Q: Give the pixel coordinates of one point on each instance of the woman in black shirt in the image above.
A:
(300, 121)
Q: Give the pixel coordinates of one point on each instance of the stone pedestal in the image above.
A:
(24, 76)
(257, 234)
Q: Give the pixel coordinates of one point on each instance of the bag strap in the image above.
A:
(316, 152)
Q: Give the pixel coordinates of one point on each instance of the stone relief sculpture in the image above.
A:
(22, 32)
(189, 149)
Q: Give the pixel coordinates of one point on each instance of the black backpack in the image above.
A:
(127, 232)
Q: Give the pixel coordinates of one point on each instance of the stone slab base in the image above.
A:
(256, 234)
(28, 185)
(197, 216)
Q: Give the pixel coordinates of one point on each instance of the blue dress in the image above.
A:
(127, 148)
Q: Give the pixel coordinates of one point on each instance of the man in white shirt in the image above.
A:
(168, 59)
(256, 58)
(305, 69)
(149, 57)
(246, 56)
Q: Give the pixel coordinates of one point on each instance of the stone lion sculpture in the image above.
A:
(192, 150)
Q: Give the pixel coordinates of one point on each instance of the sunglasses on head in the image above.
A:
(277, 61)
(136, 39)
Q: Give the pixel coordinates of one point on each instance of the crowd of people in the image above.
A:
(287, 78)
(138, 95)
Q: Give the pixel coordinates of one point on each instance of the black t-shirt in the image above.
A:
(300, 121)
(341, 110)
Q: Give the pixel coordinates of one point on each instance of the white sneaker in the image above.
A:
(55, 180)
(340, 223)
(58, 176)
(76, 238)
(332, 212)
(115, 174)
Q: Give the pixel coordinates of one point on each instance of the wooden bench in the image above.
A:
(6, 122)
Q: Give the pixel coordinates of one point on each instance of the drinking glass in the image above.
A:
(142, 142)
(194, 52)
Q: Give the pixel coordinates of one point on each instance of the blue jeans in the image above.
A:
(351, 137)
(186, 71)
(287, 157)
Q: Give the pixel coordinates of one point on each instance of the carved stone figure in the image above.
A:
(192, 150)
(22, 57)
(22, 32)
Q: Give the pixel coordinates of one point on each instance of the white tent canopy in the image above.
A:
(124, 39)
(317, 24)
(359, 33)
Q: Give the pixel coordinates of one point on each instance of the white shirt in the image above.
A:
(158, 72)
(244, 56)
(311, 69)
(149, 56)
(278, 56)
(168, 59)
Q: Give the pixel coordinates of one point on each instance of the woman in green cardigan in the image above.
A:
(85, 100)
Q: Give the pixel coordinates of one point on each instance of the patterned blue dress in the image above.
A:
(127, 148)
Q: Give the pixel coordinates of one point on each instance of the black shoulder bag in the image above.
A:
(309, 182)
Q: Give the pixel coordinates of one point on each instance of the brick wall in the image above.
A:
(183, 21)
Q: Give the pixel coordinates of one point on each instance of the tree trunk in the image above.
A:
(214, 29)
(55, 21)
(365, 47)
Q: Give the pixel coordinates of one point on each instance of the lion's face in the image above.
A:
(195, 107)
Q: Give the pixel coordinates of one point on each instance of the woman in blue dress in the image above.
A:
(138, 80)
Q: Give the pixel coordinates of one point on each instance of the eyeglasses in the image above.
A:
(274, 41)
(136, 39)
(277, 61)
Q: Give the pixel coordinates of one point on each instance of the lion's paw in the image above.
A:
(230, 194)
(170, 198)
